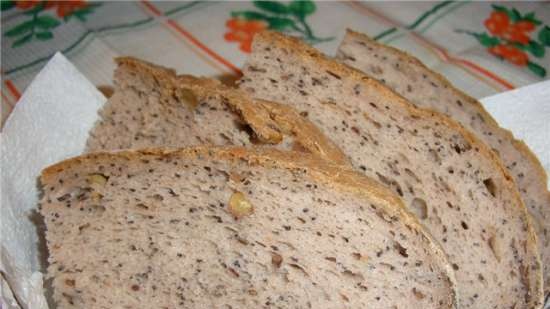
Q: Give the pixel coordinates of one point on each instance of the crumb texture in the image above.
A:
(154, 107)
(145, 111)
(423, 87)
(188, 230)
(448, 178)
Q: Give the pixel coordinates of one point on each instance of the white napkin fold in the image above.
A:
(526, 112)
(49, 123)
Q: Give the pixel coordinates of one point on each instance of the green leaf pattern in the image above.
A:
(46, 22)
(537, 69)
(249, 15)
(302, 8)
(536, 49)
(40, 26)
(6, 5)
(43, 36)
(22, 40)
(272, 6)
(544, 36)
(486, 40)
(286, 17)
(20, 29)
(280, 23)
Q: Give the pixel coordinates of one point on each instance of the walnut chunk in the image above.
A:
(238, 205)
(188, 96)
(97, 179)
(96, 196)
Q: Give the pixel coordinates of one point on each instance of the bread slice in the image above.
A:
(152, 106)
(456, 185)
(408, 77)
(233, 228)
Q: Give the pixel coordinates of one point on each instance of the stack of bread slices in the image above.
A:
(361, 181)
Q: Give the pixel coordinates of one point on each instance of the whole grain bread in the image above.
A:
(425, 88)
(233, 228)
(153, 107)
(456, 185)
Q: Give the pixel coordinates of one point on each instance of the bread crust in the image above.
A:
(539, 174)
(269, 120)
(306, 52)
(340, 177)
(520, 145)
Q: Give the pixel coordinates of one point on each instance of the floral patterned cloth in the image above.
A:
(482, 47)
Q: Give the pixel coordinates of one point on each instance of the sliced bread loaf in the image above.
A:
(423, 87)
(152, 106)
(233, 228)
(455, 184)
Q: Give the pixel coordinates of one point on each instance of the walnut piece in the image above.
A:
(97, 179)
(239, 206)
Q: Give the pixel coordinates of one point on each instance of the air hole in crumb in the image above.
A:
(247, 129)
(70, 282)
(420, 208)
(142, 206)
(402, 250)
(490, 185)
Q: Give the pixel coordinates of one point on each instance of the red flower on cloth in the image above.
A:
(63, 8)
(511, 37)
(511, 54)
(23, 5)
(499, 25)
(243, 31)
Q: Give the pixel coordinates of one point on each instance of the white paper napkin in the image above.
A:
(49, 123)
(525, 112)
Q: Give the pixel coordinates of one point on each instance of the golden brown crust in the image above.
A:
(269, 120)
(307, 52)
(340, 177)
(538, 173)
(519, 145)
(307, 134)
